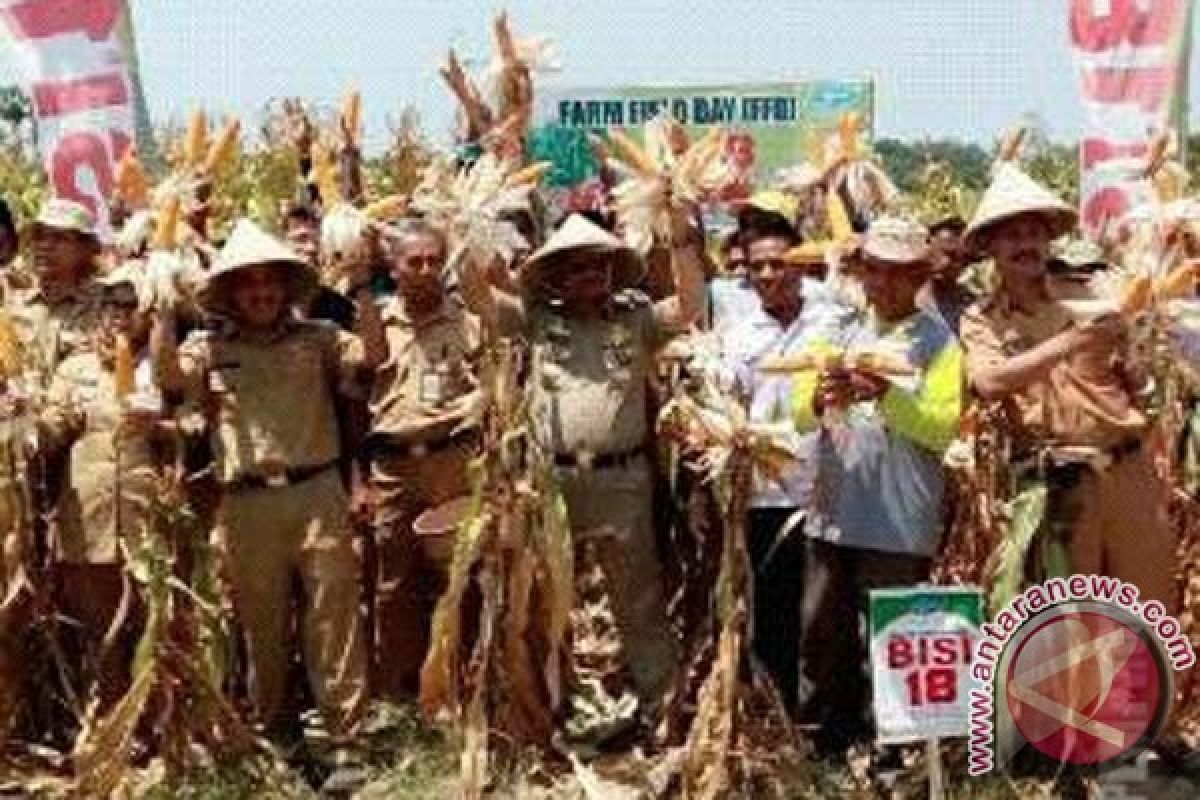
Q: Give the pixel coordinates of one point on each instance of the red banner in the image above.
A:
(1130, 55)
(75, 66)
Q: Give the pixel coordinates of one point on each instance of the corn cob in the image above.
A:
(123, 377)
(222, 150)
(166, 233)
(195, 143)
(132, 186)
(1180, 282)
(1137, 295)
(807, 254)
(386, 208)
(11, 351)
(839, 220)
(629, 151)
(530, 175)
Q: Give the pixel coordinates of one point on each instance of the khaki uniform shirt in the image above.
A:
(271, 401)
(52, 332)
(588, 377)
(83, 414)
(428, 367)
(1084, 401)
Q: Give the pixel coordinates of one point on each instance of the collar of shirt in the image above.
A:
(394, 312)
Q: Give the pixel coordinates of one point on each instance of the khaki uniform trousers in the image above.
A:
(406, 586)
(269, 536)
(1121, 528)
(612, 508)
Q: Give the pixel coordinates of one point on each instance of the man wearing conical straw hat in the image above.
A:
(269, 380)
(592, 341)
(1072, 407)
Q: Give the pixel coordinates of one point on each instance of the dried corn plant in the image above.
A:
(664, 179)
(740, 730)
(473, 205)
(175, 706)
(514, 553)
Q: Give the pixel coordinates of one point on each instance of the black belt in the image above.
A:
(289, 477)
(602, 461)
(1067, 472)
(382, 444)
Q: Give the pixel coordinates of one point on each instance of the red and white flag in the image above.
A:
(1130, 55)
(73, 59)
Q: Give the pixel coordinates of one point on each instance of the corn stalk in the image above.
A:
(515, 547)
(741, 729)
(176, 697)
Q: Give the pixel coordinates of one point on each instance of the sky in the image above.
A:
(963, 68)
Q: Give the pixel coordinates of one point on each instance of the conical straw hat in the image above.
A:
(1013, 193)
(250, 246)
(579, 235)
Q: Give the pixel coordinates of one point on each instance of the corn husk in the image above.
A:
(1137, 295)
(130, 182)
(471, 204)
(222, 152)
(195, 142)
(662, 184)
(1010, 146)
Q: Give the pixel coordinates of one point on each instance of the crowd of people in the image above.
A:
(314, 394)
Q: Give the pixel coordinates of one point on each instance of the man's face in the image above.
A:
(741, 151)
(891, 289)
(777, 284)
(949, 255)
(735, 260)
(586, 279)
(8, 246)
(419, 261)
(1020, 247)
(61, 257)
(303, 237)
(119, 315)
(259, 295)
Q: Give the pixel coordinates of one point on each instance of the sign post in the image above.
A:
(922, 643)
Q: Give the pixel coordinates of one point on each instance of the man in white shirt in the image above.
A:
(781, 322)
